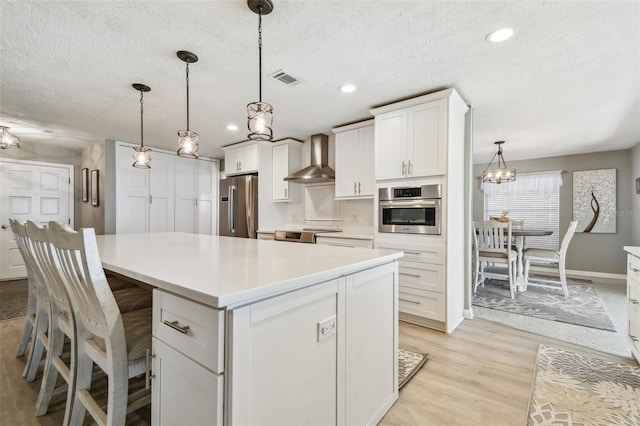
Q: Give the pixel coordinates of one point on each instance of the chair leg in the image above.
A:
(38, 346)
(512, 280)
(56, 346)
(118, 392)
(83, 371)
(563, 279)
(26, 334)
(527, 265)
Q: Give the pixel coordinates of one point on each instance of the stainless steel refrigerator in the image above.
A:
(239, 206)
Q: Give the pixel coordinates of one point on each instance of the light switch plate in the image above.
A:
(326, 328)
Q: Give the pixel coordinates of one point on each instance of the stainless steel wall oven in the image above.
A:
(410, 210)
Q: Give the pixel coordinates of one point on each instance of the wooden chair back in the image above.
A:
(81, 268)
(492, 235)
(564, 246)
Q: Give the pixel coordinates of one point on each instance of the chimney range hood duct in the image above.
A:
(319, 170)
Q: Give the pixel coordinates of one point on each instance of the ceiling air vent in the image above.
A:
(285, 78)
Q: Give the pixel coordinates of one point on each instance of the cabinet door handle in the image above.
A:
(150, 199)
(633, 338)
(410, 301)
(196, 202)
(147, 369)
(409, 169)
(634, 301)
(341, 245)
(412, 252)
(285, 193)
(409, 275)
(184, 329)
(636, 270)
(403, 169)
(354, 189)
(358, 188)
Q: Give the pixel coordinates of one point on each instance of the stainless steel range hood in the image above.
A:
(319, 170)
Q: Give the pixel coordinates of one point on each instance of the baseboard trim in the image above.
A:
(585, 273)
(468, 313)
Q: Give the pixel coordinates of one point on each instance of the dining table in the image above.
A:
(519, 235)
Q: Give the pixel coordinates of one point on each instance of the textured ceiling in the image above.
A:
(567, 82)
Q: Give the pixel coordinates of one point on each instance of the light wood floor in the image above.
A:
(479, 375)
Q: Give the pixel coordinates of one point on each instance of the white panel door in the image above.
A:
(207, 194)
(280, 171)
(391, 145)
(347, 163)
(162, 193)
(132, 194)
(186, 194)
(427, 139)
(36, 191)
(367, 180)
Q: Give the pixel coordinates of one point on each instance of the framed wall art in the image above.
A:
(95, 199)
(85, 185)
(594, 200)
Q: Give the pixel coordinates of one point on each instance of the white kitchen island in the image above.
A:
(264, 332)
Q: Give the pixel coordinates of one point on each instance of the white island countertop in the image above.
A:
(225, 271)
(634, 250)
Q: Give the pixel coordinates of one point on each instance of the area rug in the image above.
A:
(409, 363)
(573, 389)
(582, 307)
(13, 299)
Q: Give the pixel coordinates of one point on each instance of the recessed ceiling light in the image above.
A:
(232, 127)
(501, 34)
(347, 88)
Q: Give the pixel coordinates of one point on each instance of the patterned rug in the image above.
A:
(582, 307)
(409, 363)
(13, 299)
(573, 389)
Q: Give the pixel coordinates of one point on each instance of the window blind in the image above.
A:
(532, 197)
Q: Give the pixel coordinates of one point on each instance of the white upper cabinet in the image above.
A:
(175, 194)
(241, 159)
(286, 160)
(412, 141)
(355, 161)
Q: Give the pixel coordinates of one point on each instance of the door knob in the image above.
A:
(4, 226)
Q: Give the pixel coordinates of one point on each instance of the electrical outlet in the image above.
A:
(326, 328)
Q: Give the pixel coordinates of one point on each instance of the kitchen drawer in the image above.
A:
(203, 341)
(426, 304)
(344, 242)
(416, 252)
(633, 293)
(633, 267)
(421, 276)
(266, 235)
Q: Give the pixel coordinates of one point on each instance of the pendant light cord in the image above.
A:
(187, 95)
(260, 53)
(141, 120)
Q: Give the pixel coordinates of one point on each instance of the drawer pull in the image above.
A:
(413, 252)
(634, 301)
(633, 338)
(341, 245)
(147, 369)
(409, 275)
(410, 301)
(174, 324)
(636, 270)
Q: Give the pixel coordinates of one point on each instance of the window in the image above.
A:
(532, 197)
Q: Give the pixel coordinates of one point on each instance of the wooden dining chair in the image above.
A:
(492, 245)
(29, 322)
(548, 257)
(116, 342)
(40, 300)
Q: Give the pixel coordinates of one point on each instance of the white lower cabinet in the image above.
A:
(633, 304)
(183, 391)
(188, 362)
(336, 341)
(345, 242)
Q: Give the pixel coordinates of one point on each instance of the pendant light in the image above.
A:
(8, 141)
(260, 114)
(501, 173)
(142, 155)
(187, 140)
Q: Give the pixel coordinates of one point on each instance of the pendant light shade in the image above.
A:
(260, 114)
(500, 173)
(187, 140)
(142, 155)
(8, 141)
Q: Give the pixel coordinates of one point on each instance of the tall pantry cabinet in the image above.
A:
(175, 194)
(421, 141)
